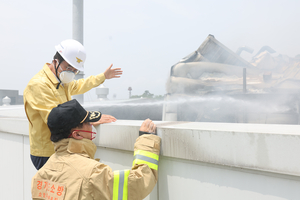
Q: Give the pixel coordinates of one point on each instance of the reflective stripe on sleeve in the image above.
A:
(120, 190)
(146, 157)
(125, 188)
(146, 153)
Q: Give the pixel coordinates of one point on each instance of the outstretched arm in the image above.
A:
(83, 85)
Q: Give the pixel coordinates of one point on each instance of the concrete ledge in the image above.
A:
(14, 125)
(270, 148)
(198, 160)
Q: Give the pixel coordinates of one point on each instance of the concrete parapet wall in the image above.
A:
(198, 160)
(270, 148)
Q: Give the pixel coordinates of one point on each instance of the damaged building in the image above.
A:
(214, 84)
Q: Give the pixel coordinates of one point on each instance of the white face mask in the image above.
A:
(66, 76)
(94, 130)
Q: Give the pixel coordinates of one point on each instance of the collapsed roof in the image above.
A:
(213, 68)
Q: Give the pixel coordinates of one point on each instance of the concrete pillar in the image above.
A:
(245, 119)
(169, 109)
(244, 80)
(78, 35)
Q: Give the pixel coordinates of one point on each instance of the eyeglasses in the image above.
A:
(70, 68)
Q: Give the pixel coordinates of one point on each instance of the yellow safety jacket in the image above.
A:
(72, 173)
(40, 96)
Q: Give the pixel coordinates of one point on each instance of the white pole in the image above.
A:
(78, 20)
(78, 34)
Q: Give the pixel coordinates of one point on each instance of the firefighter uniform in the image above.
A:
(72, 173)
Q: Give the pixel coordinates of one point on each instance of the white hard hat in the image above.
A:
(72, 52)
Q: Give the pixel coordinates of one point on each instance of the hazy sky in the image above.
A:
(144, 38)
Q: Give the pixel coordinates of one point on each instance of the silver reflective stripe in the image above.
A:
(121, 185)
(145, 158)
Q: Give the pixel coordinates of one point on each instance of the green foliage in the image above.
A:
(159, 97)
(147, 95)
